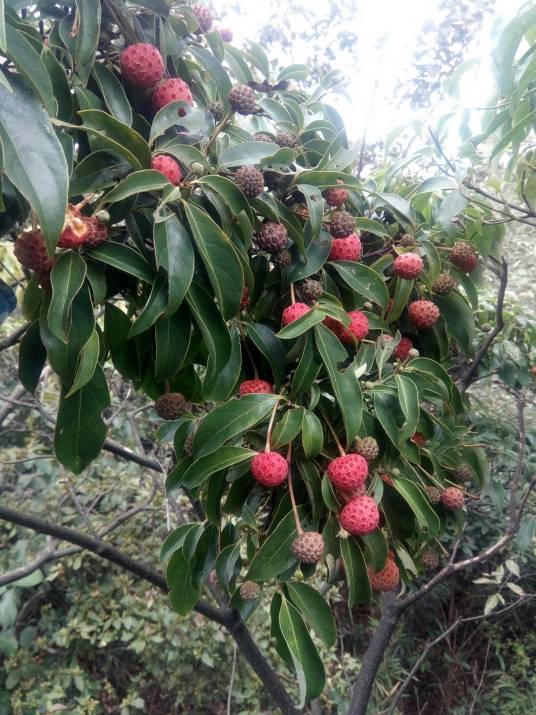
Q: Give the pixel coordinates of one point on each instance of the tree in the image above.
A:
(191, 222)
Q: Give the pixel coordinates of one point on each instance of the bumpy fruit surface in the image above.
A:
(272, 237)
(203, 15)
(387, 579)
(433, 494)
(269, 468)
(250, 180)
(171, 90)
(429, 560)
(401, 351)
(444, 284)
(255, 387)
(408, 266)
(242, 99)
(309, 547)
(226, 34)
(452, 498)
(464, 472)
(348, 472)
(281, 258)
(31, 252)
(336, 196)
(217, 110)
(96, 233)
(310, 290)
(342, 224)
(74, 230)
(167, 166)
(357, 329)
(367, 447)
(423, 313)
(293, 312)
(360, 516)
(346, 249)
(170, 405)
(141, 65)
(464, 256)
(284, 139)
(250, 591)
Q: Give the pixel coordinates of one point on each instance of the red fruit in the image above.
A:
(360, 516)
(357, 329)
(402, 349)
(74, 231)
(387, 579)
(348, 472)
(269, 468)
(141, 65)
(346, 249)
(167, 166)
(171, 90)
(419, 439)
(293, 312)
(334, 325)
(308, 547)
(226, 34)
(97, 232)
(423, 313)
(464, 256)
(258, 387)
(245, 298)
(336, 196)
(452, 498)
(31, 252)
(408, 265)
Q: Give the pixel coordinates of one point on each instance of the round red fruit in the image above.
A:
(357, 329)
(336, 196)
(402, 349)
(464, 256)
(387, 579)
(97, 232)
(408, 266)
(348, 472)
(167, 166)
(141, 65)
(293, 312)
(171, 90)
(269, 468)
(423, 313)
(452, 498)
(346, 249)
(31, 252)
(360, 516)
(255, 387)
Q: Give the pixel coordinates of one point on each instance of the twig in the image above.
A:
(231, 680)
(14, 338)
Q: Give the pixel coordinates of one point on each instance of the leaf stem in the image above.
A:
(299, 527)
(292, 294)
(271, 425)
(217, 130)
(335, 438)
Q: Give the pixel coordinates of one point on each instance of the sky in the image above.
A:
(388, 32)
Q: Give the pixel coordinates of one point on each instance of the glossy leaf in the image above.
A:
(356, 572)
(288, 427)
(315, 610)
(136, 182)
(113, 93)
(365, 281)
(32, 357)
(274, 557)
(267, 342)
(426, 516)
(88, 363)
(67, 277)
(174, 253)
(124, 258)
(312, 434)
(225, 457)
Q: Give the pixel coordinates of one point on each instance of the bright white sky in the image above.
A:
(388, 32)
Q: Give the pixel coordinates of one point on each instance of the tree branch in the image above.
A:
(14, 338)
(468, 375)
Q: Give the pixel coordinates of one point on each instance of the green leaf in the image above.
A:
(175, 254)
(32, 357)
(402, 293)
(183, 594)
(123, 351)
(369, 225)
(400, 206)
(29, 63)
(315, 205)
(135, 183)
(67, 277)
(33, 158)
(288, 427)
(408, 396)
(307, 369)
(345, 385)
(228, 191)
(363, 280)
(459, 317)
(229, 420)
(119, 136)
(221, 385)
(275, 556)
(3, 41)
(267, 342)
(88, 363)
(172, 339)
(301, 325)
(214, 69)
(87, 38)
(315, 610)
(185, 153)
(113, 93)
(312, 434)
(60, 83)
(225, 457)
(391, 417)
(246, 153)
(376, 546)
(433, 184)
(174, 541)
(80, 430)
(219, 258)
(426, 517)
(356, 572)
(124, 258)
(307, 663)
(153, 308)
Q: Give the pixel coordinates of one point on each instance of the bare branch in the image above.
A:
(14, 338)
